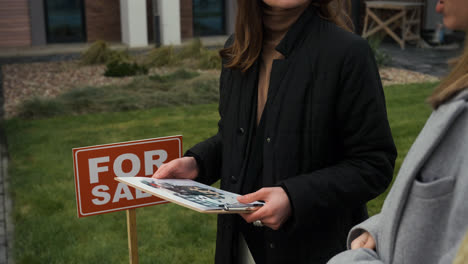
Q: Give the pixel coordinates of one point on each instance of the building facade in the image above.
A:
(133, 22)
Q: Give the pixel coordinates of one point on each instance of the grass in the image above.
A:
(47, 229)
(407, 113)
(180, 74)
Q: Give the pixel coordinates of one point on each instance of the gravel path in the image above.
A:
(391, 76)
(48, 79)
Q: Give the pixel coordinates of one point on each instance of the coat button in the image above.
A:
(272, 245)
(233, 179)
(268, 140)
(241, 131)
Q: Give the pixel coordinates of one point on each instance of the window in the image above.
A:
(64, 21)
(208, 17)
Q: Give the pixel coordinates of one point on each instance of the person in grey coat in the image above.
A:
(425, 215)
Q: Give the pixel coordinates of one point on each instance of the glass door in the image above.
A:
(208, 17)
(64, 21)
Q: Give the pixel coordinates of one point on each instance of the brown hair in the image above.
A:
(249, 30)
(456, 81)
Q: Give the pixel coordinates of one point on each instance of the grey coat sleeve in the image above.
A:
(368, 256)
(357, 256)
(362, 255)
(371, 225)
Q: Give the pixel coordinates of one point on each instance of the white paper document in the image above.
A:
(191, 194)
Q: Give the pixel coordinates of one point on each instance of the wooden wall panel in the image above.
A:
(102, 20)
(186, 19)
(15, 24)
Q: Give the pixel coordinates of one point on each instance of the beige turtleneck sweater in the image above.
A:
(276, 22)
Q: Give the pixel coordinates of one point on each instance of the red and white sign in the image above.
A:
(96, 167)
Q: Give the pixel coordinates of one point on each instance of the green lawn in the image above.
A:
(407, 114)
(47, 229)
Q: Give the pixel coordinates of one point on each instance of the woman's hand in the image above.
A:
(181, 168)
(274, 212)
(365, 240)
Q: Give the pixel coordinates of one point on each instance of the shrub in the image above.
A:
(81, 100)
(40, 107)
(97, 53)
(181, 87)
(118, 63)
(120, 68)
(161, 56)
(209, 59)
(191, 55)
(381, 58)
(206, 91)
(180, 74)
(100, 53)
(119, 56)
(191, 50)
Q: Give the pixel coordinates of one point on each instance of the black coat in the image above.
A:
(327, 140)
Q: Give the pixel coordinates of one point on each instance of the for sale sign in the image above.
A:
(96, 167)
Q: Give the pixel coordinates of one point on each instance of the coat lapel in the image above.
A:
(278, 71)
(248, 95)
(287, 47)
(247, 117)
(434, 130)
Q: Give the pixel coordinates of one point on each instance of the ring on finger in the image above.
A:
(257, 223)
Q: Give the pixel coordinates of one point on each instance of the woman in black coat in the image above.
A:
(303, 127)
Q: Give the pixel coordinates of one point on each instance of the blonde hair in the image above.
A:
(455, 81)
(462, 255)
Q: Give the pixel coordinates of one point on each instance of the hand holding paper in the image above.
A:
(275, 211)
(181, 168)
(191, 194)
